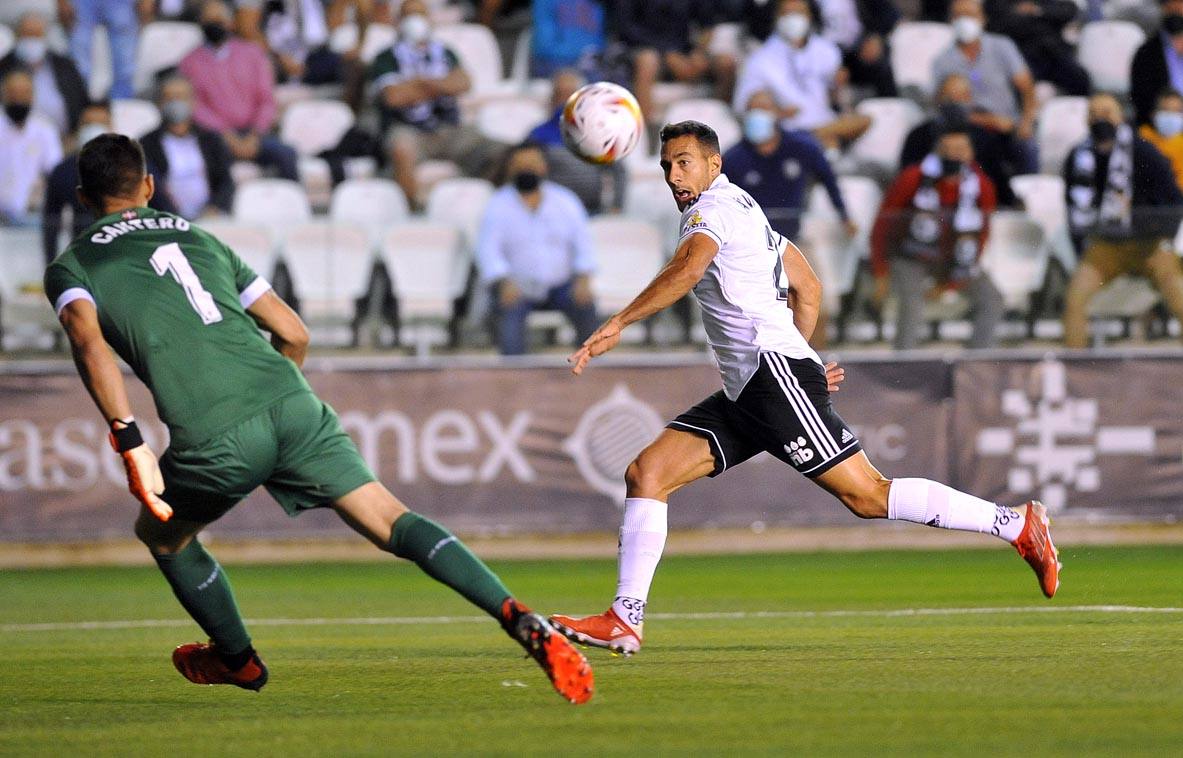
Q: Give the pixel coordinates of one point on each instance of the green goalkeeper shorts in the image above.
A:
(296, 449)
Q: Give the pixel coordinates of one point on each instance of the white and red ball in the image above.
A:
(601, 122)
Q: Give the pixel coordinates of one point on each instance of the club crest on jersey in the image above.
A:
(127, 215)
(799, 452)
(694, 222)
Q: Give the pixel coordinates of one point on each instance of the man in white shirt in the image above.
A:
(535, 251)
(29, 148)
(759, 301)
(803, 71)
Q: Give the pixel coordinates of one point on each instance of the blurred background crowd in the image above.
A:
(991, 173)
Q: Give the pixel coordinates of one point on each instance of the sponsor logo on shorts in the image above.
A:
(799, 452)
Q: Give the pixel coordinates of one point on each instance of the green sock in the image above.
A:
(203, 589)
(443, 557)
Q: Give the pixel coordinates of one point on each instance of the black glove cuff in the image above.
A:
(126, 438)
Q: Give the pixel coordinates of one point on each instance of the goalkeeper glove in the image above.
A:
(143, 473)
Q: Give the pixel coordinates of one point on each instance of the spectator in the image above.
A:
(416, 83)
(59, 93)
(929, 237)
(61, 188)
(989, 133)
(1037, 27)
(598, 187)
(507, 19)
(777, 167)
(1123, 209)
(567, 34)
(534, 251)
(804, 72)
(29, 148)
(996, 70)
(233, 88)
(122, 20)
(860, 29)
(1158, 63)
(296, 33)
(178, 10)
(1165, 130)
(191, 165)
(661, 35)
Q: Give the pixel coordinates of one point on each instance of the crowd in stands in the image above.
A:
(943, 153)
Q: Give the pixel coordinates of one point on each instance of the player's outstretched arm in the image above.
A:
(288, 333)
(806, 290)
(671, 284)
(104, 381)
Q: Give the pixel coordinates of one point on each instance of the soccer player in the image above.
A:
(185, 312)
(759, 301)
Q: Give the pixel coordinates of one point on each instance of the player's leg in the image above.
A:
(909, 281)
(646, 69)
(1167, 274)
(988, 310)
(1086, 281)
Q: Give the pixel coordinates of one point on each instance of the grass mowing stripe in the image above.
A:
(704, 616)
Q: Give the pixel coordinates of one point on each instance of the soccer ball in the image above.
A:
(601, 122)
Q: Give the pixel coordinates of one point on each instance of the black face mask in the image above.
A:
(526, 181)
(215, 34)
(18, 112)
(950, 166)
(1172, 24)
(1103, 131)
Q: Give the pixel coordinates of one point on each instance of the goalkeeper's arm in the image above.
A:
(104, 381)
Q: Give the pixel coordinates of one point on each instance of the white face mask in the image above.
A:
(793, 26)
(415, 28)
(967, 29)
(87, 132)
(1168, 123)
(30, 50)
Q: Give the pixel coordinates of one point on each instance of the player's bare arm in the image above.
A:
(671, 284)
(289, 335)
(104, 381)
(806, 289)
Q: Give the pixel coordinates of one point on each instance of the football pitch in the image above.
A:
(832, 653)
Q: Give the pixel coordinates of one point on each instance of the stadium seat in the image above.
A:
(101, 74)
(479, 54)
(135, 118)
(1042, 196)
(274, 203)
(313, 126)
(892, 118)
(510, 119)
(378, 38)
(1062, 125)
(22, 295)
(331, 265)
(629, 254)
(372, 204)
(1016, 258)
(837, 257)
(460, 203)
(648, 198)
(428, 270)
(162, 45)
(252, 243)
(708, 110)
(1106, 49)
(7, 38)
(915, 45)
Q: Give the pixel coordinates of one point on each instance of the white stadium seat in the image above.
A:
(274, 203)
(101, 75)
(373, 204)
(1042, 196)
(379, 37)
(428, 270)
(479, 54)
(823, 237)
(1106, 49)
(313, 126)
(628, 254)
(331, 266)
(162, 45)
(252, 243)
(915, 45)
(714, 113)
(1016, 258)
(460, 202)
(135, 118)
(22, 295)
(510, 120)
(648, 198)
(892, 119)
(1063, 124)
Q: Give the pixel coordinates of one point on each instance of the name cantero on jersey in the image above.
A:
(111, 232)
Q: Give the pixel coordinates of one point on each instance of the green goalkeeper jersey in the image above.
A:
(172, 300)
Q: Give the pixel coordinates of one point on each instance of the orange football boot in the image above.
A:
(565, 666)
(199, 663)
(606, 630)
(1035, 545)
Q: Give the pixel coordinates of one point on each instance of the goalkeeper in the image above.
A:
(185, 312)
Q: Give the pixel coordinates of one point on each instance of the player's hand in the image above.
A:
(602, 340)
(144, 480)
(835, 375)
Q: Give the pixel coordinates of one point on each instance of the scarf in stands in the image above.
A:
(431, 63)
(950, 243)
(1117, 198)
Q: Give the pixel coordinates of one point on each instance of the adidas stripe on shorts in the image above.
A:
(784, 409)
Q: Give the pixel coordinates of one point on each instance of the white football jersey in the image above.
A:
(744, 293)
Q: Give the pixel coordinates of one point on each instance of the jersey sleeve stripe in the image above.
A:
(253, 292)
(69, 296)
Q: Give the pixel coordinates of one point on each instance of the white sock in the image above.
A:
(642, 538)
(934, 504)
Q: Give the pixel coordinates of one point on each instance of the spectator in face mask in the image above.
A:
(534, 251)
(1165, 130)
(996, 71)
(29, 148)
(59, 94)
(929, 237)
(1158, 63)
(191, 164)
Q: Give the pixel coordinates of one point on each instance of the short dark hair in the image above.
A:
(110, 165)
(1168, 92)
(705, 135)
(502, 174)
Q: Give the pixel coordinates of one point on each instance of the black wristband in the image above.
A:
(126, 438)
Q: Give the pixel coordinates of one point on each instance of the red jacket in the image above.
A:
(894, 214)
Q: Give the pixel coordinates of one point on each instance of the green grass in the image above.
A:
(1067, 683)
